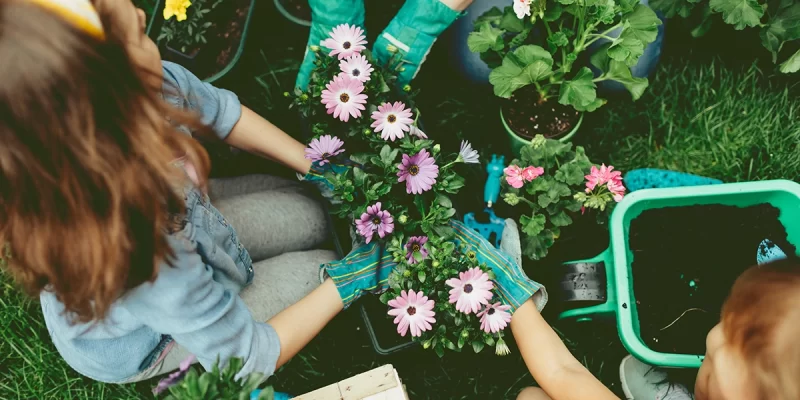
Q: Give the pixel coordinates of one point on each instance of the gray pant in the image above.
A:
(278, 223)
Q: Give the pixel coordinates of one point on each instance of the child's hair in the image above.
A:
(87, 189)
(761, 318)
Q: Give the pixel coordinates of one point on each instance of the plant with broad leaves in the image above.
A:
(519, 57)
(188, 384)
(187, 31)
(393, 185)
(559, 184)
(778, 20)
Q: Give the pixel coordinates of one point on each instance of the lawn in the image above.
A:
(715, 113)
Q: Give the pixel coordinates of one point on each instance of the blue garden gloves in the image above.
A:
(412, 33)
(647, 178)
(365, 269)
(325, 15)
(316, 176)
(514, 287)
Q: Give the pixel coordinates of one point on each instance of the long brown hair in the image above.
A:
(87, 184)
(762, 321)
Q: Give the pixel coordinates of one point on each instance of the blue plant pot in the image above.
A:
(474, 69)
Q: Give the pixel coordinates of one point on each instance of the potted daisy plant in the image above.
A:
(393, 185)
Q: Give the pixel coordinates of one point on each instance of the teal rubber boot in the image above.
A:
(325, 15)
(412, 33)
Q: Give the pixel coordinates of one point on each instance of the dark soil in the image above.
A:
(527, 117)
(687, 258)
(224, 37)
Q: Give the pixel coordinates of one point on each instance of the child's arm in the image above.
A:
(556, 370)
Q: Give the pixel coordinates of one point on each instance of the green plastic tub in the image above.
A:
(619, 302)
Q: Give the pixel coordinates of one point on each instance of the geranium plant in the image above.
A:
(185, 24)
(558, 183)
(187, 384)
(392, 185)
(538, 43)
(778, 21)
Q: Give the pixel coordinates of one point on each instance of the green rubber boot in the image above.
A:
(325, 15)
(412, 33)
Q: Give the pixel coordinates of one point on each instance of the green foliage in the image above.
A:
(219, 384)
(188, 35)
(778, 20)
(547, 61)
(555, 198)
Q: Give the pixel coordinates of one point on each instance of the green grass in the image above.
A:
(725, 119)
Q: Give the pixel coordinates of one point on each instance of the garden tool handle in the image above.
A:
(495, 172)
(589, 284)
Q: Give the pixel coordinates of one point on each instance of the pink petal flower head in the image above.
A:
(392, 120)
(416, 244)
(514, 176)
(176, 376)
(356, 67)
(601, 176)
(471, 289)
(616, 188)
(495, 317)
(375, 220)
(467, 155)
(522, 8)
(345, 40)
(419, 172)
(412, 311)
(324, 148)
(415, 131)
(531, 173)
(342, 97)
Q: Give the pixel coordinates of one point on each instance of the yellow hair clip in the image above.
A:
(80, 13)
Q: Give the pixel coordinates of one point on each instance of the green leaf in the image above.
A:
(455, 183)
(671, 8)
(536, 247)
(386, 296)
(558, 39)
(784, 26)
(443, 200)
(553, 12)
(459, 319)
(439, 349)
(532, 226)
(450, 345)
(606, 12)
(739, 13)
(510, 22)
(561, 219)
(579, 92)
(620, 72)
(360, 158)
(570, 173)
(359, 177)
(792, 64)
(487, 38)
(461, 341)
(559, 190)
(444, 231)
(527, 64)
(642, 24)
(566, 2)
(626, 49)
(626, 6)
(493, 15)
(477, 346)
(421, 275)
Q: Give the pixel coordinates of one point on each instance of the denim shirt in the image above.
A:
(195, 301)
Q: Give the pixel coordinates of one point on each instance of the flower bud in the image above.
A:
(391, 49)
(402, 219)
(538, 141)
(286, 94)
(426, 344)
(407, 88)
(303, 97)
(436, 148)
(407, 273)
(501, 348)
(511, 198)
(471, 255)
(465, 333)
(367, 132)
(314, 48)
(435, 264)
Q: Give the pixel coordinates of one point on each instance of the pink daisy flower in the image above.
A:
(471, 289)
(412, 311)
(419, 172)
(392, 120)
(513, 175)
(324, 148)
(345, 40)
(375, 220)
(342, 97)
(531, 173)
(494, 318)
(356, 67)
(416, 244)
(415, 131)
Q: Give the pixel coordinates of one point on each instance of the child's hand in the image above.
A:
(514, 287)
(365, 269)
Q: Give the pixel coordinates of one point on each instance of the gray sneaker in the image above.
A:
(644, 382)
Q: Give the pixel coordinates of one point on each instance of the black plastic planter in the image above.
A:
(194, 61)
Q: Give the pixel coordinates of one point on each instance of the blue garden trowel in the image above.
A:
(493, 229)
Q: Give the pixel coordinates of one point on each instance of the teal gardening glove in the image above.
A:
(365, 270)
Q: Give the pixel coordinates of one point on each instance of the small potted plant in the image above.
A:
(205, 36)
(187, 384)
(534, 49)
(558, 184)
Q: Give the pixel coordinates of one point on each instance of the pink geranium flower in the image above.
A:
(375, 220)
(392, 120)
(531, 173)
(419, 172)
(412, 311)
(606, 176)
(342, 97)
(356, 67)
(494, 318)
(471, 289)
(513, 175)
(416, 244)
(345, 40)
(324, 148)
